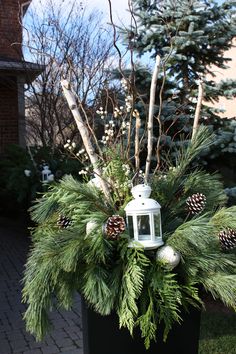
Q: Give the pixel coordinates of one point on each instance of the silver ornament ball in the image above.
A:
(169, 256)
(91, 226)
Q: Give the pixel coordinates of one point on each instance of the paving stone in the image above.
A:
(52, 349)
(5, 328)
(16, 343)
(33, 351)
(36, 345)
(18, 348)
(14, 339)
(3, 335)
(49, 341)
(74, 336)
(78, 343)
(64, 342)
(5, 347)
(74, 351)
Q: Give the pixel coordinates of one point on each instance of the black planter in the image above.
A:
(103, 336)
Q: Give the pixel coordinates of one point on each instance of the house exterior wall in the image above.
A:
(10, 29)
(8, 112)
(227, 105)
(12, 130)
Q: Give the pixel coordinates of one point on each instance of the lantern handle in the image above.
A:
(134, 176)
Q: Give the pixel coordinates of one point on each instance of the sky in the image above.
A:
(120, 12)
(119, 7)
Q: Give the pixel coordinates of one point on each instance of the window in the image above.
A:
(157, 225)
(144, 232)
(131, 226)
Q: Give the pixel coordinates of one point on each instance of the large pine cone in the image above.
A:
(196, 203)
(114, 226)
(227, 239)
(63, 222)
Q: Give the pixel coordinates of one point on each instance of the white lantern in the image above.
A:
(143, 216)
(51, 177)
(27, 173)
(45, 174)
(96, 181)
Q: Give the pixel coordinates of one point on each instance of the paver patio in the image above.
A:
(66, 337)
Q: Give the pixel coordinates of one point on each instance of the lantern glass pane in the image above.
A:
(131, 226)
(144, 232)
(157, 224)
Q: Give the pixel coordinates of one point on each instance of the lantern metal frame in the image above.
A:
(142, 206)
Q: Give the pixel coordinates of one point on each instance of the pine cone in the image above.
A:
(63, 222)
(114, 226)
(196, 203)
(227, 239)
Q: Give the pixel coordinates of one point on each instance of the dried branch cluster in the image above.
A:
(70, 42)
(70, 49)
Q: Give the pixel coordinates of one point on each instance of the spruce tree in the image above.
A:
(191, 37)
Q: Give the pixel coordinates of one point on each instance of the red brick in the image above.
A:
(10, 33)
(8, 113)
(10, 29)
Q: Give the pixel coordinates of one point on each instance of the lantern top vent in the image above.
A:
(141, 191)
(141, 202)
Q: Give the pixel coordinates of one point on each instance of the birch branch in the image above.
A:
(150, 116)
(198, 108)
(31, 158)
(84, 134)
(136, 141)
(158, 149)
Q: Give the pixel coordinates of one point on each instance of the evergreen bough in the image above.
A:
(130, 281)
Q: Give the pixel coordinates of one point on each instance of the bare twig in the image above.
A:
(158, 149)
(137, 150)
(198, 108)
(115, 38)
(84, 135)
(150, 115)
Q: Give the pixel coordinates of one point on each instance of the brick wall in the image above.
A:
(11, 98)
(8, 112)
(10, 29)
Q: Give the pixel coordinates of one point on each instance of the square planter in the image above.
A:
(103, 336)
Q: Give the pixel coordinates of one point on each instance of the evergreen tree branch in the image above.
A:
(222, 287)
(224, 218)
